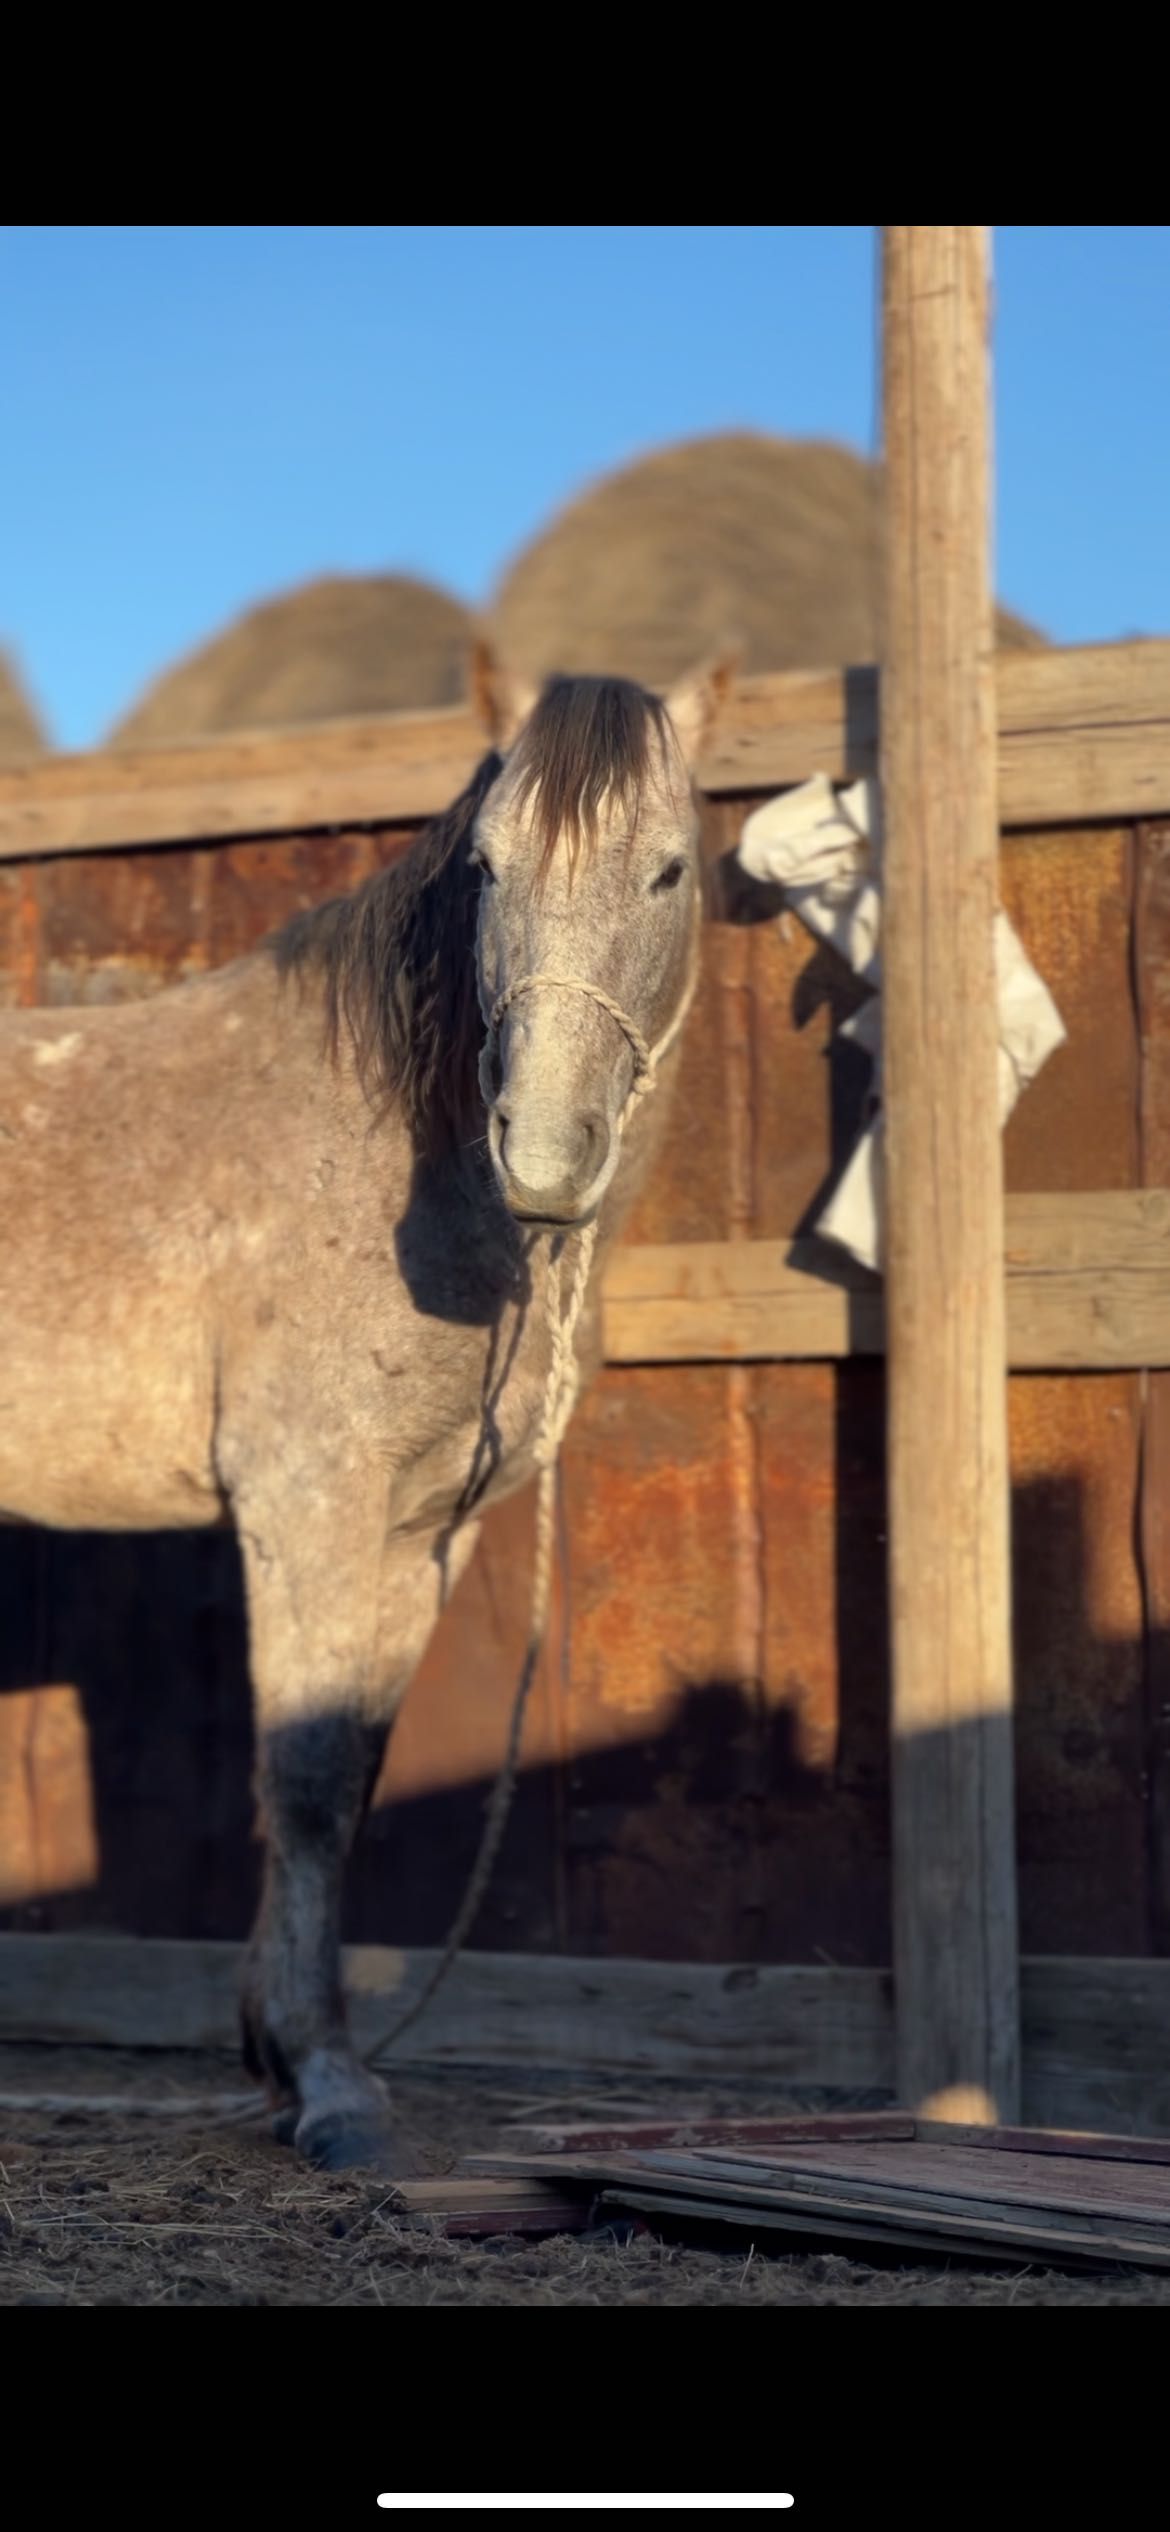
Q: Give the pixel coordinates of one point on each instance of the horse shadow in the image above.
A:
(712, 1836)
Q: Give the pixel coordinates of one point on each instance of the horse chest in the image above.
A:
(480, 1423)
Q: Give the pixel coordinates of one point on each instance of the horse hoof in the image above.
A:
(333, 2142)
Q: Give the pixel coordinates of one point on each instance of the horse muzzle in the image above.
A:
(554, 1182)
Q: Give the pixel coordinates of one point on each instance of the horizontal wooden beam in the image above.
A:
(1084, 734)
(1095, 2051)
(338, 773)
(1088, 1289)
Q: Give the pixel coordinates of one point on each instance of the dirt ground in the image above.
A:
(123, 2208)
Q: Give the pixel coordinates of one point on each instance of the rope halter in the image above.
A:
(646, 1058)
(563, 1315)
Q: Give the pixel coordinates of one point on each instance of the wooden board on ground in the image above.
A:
(479, 2207)
(861, 2126)
(1089, 2199)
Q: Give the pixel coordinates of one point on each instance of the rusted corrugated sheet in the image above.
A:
(1152, 968)
(706, 1758)
(19, 960)
(1076, 1442)
(256, 887)
(1070, 897)
(115, 927)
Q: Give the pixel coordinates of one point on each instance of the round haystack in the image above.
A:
(21, 733)
(334, 647)
(773, 543)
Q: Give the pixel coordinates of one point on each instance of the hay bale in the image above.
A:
(21, 732)
(776, 542)
(336, 646)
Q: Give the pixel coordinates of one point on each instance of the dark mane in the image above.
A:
(398, 957)
(398, 962)
(588, 738)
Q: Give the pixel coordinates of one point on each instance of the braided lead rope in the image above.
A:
(560, 1397)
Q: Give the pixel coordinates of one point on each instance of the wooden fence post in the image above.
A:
(955, 1938)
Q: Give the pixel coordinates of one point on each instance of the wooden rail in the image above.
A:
(1083, 735)
(1088, 1289)
(1094, 2031)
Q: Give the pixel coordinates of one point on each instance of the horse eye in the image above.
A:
(668, 878)
(479, 861)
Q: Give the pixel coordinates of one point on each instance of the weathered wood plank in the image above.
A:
(1061, 2202)
(923, 2235)
(951, 2179)
(339, 773)
(831, 2128)
(1094, 2031)
(1082, 734)
(1111, 685)
(1095, 2043)
(1088, 1288)
(474, 2207)
(1083, 2143)
(955, 1925)
(504, 2008)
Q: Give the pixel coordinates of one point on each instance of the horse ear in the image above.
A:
(696, 702)
(500, 701)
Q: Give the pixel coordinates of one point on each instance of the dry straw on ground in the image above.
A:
(132, 2210)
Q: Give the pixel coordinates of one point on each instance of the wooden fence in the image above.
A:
(706, 1785)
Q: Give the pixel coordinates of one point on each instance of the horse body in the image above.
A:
(274, 1252)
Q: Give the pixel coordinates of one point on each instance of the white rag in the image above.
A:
(823, 848)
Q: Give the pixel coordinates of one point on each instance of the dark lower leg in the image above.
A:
(316, 1778)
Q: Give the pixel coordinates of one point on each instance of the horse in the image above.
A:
(275, 1249)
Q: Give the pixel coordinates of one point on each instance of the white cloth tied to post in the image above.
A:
(823, 847)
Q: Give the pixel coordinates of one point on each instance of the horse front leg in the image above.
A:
(334, 1646)
(315, 1778)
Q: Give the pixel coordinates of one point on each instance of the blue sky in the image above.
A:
(193, 418)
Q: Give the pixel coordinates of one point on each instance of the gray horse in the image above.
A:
(275, 1247)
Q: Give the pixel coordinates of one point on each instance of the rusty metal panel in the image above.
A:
(1152, 969)
(686, 1197)
(1079, 1663)
(1070, 897)
(118, 926)
(48, 1834)
(1076, 1441)
(150, 1632)
(824, 1812)
(19, 936)
(415, 1858)
(257, 886)
(660, 1705)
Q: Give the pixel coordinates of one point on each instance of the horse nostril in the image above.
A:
(594, 1141)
